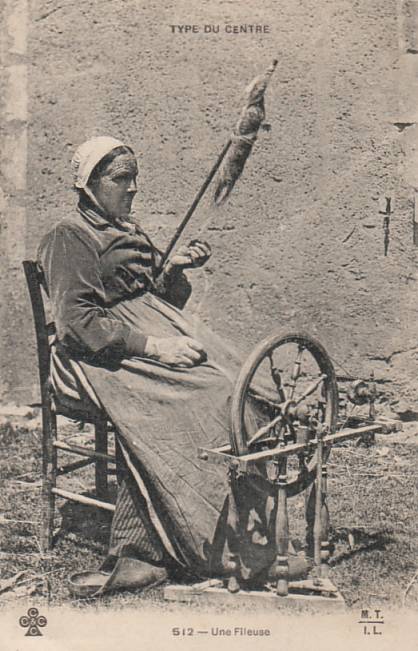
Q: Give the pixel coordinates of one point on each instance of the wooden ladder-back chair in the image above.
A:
(50, 410)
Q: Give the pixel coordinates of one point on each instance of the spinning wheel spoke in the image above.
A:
(263, 399)
(265, 429)
(311, 389)
(277, 378)
(296, 371)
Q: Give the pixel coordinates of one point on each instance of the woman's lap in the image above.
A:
(163, 415)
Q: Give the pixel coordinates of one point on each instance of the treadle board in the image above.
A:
(212, 593)
(321, 585)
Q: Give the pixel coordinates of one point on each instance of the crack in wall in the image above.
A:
(401, 126)
(388, 358)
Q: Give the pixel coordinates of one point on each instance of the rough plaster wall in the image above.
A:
(14, 311)
(300, 243)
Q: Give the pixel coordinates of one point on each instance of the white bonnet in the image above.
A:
(89, 154)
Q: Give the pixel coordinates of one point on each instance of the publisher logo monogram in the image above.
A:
(33, 621)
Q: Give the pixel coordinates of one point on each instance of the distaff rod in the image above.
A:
(194, 205)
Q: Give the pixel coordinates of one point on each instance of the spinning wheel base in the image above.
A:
(303, 595)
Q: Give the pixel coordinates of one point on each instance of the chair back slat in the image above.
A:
(35, 281)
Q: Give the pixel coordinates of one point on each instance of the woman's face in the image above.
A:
(116, 187)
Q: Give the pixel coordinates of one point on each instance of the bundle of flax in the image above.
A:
(244, 135)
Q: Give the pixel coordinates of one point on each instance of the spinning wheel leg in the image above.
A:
(233, 535)
(325, 551)
(314, 505)
(318, 503)
(282, 531)
(321, 521)
(310, 497)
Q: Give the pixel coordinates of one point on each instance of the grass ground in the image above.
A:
(372, 502)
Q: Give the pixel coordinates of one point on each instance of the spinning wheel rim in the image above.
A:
(238, 435)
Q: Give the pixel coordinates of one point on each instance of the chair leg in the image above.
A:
(101, 433)
(49, 475)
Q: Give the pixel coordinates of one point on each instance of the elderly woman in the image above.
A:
(164, 380)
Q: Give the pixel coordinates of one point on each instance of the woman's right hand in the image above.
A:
(189, 256)
(175, 351)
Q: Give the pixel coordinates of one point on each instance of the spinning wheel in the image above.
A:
(283, 426)
(298, 393)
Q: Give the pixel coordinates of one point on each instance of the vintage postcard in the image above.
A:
(208, 342)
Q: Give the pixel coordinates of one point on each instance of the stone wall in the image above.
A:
(301, 243)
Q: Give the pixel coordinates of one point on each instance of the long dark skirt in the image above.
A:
(163, 415)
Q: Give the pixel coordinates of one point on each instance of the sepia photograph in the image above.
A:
(208, 334)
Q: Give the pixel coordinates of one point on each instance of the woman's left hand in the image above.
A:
(193, 255)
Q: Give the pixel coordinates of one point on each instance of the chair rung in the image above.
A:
(75, 449)
(82, 499)
(76, 465)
